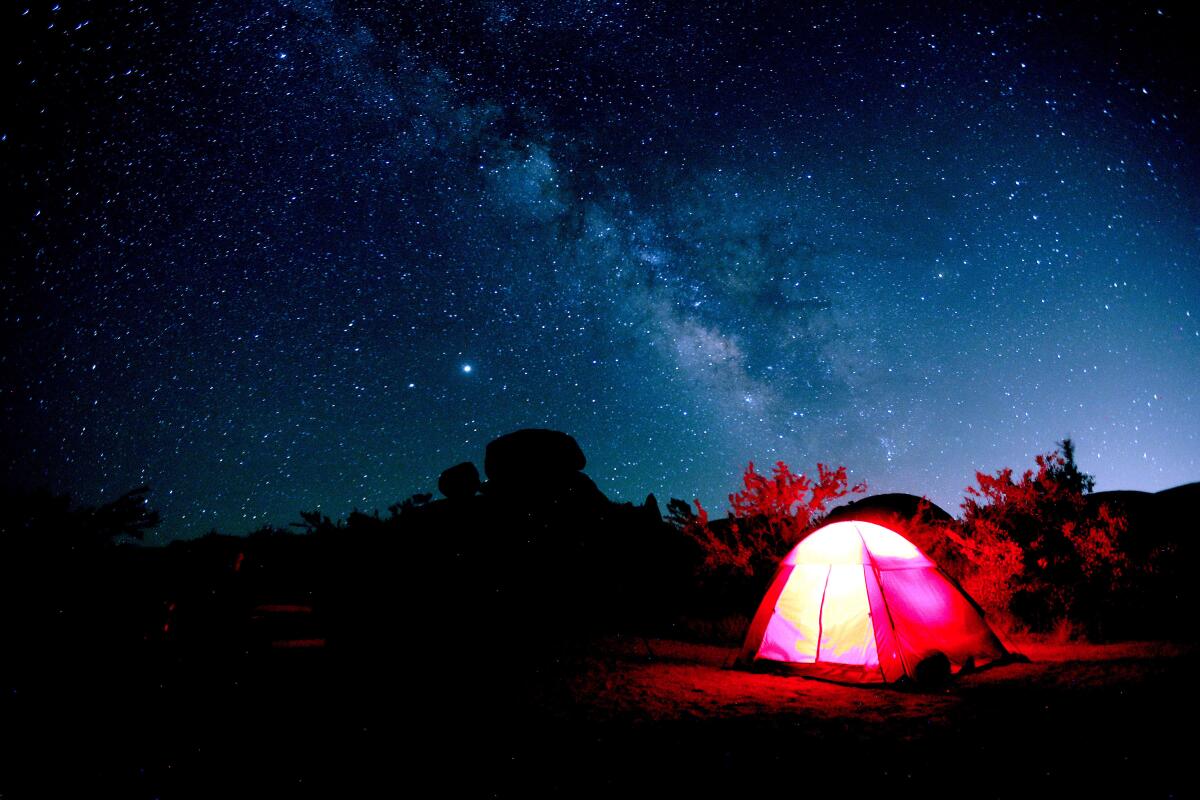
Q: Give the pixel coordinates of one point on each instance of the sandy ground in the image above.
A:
(664, 717)
(619, 718)
(660, 680)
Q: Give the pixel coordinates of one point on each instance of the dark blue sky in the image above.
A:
(258, 246)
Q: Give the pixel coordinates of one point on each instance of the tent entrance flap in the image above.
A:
(847, 634)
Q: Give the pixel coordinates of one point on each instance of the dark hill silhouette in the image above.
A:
(890, 507)
(1162, 541)
(1187, 494)
(1165, 519)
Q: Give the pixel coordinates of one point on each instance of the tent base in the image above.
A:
(852, 675)
(838, 673)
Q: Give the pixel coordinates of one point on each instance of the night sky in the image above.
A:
(271, 256)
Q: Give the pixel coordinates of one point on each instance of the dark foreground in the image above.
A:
(620, 717)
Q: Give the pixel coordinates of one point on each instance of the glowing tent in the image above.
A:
(857, 601)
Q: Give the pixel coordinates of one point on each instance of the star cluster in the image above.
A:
(270, 256)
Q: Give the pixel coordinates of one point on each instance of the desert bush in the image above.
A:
(767, 517)
(1034, 548)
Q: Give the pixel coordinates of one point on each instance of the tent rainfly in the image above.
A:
(856, 601)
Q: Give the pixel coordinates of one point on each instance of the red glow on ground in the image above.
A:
(283, 608)
(670, 680)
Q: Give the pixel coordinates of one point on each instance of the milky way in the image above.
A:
(272, 256)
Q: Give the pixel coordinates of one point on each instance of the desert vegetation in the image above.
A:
(529, 601)
(1035, 548)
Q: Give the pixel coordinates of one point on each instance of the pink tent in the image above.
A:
(857, 601)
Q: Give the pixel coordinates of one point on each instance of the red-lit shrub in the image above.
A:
(991, 565)
(766, 518)
(1033, 546)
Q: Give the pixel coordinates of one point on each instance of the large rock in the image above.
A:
(461, 480)
(532, 457)
(889, 509)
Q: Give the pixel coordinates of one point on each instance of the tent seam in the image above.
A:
(821, 615)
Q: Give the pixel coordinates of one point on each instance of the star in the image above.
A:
(686, 260)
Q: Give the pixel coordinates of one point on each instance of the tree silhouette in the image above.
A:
(314, 522)
(410, 504)
(128, 515)
(679, 513)
(45, 520)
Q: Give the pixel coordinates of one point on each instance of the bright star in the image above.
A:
(466, 367)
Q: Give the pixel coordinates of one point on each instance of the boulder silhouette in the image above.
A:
(890, 508)
(461, 480)
(933, 670)
(582, 489)
(651, 506)
(532, 458)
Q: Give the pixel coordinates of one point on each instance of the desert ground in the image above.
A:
(614, 717)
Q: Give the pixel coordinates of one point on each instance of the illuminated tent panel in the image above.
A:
(857, 601)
